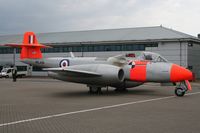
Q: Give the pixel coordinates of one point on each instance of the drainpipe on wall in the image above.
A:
(180, 52)
(14, 56)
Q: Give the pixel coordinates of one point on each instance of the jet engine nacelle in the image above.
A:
(107, 75)
(110, 74)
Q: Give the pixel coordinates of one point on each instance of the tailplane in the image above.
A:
(30, 48)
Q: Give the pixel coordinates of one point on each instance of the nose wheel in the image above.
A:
(179, 92)
(181, 89)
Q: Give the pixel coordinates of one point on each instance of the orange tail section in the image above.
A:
(31, 49)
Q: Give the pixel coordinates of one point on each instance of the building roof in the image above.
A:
(107, 35)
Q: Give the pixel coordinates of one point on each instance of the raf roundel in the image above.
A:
(131, 64)
(64, 63)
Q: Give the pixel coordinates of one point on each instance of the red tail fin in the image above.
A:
(30, 47)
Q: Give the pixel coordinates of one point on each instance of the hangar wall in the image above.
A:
(174, 52)
(194, 59)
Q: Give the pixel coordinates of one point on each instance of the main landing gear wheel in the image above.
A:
(179, 92)
(95, 90)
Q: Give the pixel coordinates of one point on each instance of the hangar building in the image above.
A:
(177, 47)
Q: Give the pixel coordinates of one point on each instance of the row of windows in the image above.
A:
(4, 50)
(24, 68)
(88, 48)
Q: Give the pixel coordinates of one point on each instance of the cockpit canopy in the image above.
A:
(150, 56)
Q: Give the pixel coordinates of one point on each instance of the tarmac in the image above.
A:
(42, 105)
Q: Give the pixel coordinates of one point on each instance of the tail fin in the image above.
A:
(31, 49)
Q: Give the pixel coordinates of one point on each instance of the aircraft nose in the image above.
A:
(179, 73)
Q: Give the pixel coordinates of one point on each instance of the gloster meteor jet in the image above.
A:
(118, 71)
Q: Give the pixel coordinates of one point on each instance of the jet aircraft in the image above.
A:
(119, 71)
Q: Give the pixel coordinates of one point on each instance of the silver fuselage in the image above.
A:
(87, 62)
(130, 74)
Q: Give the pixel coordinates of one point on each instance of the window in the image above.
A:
(85, 48)
(152, 45)
(65, 49)
(9, 71)
(108, 48)
(21, 68)
(190, 44)
(43, 50)
(18, 50)
(90, 49)
(141, 47)
(76, 49)
(160, 59)
(129, 47)
(152, 57)
(58, 49)
(99, 48)
(118, 48)
(190, 67)
(37, 68)
(136, 47)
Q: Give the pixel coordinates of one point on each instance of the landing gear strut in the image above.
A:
(181, 89)
(95, 90)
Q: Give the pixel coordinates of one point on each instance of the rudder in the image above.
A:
(30, 38)
(31, 49)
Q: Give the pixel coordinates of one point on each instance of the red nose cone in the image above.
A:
(179, 73)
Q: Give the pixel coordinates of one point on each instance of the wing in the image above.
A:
(11, 45)
(73, 72)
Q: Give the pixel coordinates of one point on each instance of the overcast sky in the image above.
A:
(18, 16)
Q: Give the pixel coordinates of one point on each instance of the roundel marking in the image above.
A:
(64, 63)
(132, 64)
